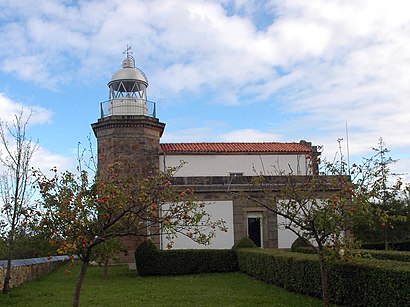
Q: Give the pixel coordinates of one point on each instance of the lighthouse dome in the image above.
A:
(128, 75)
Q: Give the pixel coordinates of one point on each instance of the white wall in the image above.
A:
(217, 210)
(222, 165)
(285, 236)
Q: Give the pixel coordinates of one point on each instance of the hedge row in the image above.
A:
(368, 282)
(399, 245)
(376, 254)
(152, 261)
(304, 250)
(387, 255)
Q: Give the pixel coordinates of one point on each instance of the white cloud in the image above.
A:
(9, 109)
(45, 160)
(42, 159)
(188, 135)
(249, 135)
(324, 62)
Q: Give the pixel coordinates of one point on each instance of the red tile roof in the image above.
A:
(229, 148)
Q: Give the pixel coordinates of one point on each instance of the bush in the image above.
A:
(387, 255)
(301, 246)
(28, 246)
(151, 261)
(365, 282)
(245, 242)
(399, 245)
(146, 258)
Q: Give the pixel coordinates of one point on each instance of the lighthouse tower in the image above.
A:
(128, 130)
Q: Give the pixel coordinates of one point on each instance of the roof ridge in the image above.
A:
(234, 147)
(230, 143)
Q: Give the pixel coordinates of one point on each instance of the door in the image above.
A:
(255, 230)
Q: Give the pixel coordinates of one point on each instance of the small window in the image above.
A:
(235, 174)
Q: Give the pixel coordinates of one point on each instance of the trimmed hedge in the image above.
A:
(152, 261)
(399, 245)
(373, 253)
(367, 282)
(300, 244)
(245, 242)
(387, 255)
(304, 250)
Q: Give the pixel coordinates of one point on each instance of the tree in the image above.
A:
(326, 207)
(319, 208)
(82, 213)
(107, 251)
(387, 194)
(15, 184)
(28, 244)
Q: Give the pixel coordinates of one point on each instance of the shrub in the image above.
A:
(146, 258)
(302, 246)
(387, 255)
(399, 245)
(245, 242)
(299, 242)
(365, 282)
(28, 246)
(151, 261)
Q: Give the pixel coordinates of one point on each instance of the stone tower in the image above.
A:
(128, 130)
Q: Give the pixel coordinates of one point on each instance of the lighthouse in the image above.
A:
(128, 130)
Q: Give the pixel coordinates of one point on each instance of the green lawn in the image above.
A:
(123, 288)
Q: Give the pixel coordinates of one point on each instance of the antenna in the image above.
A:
(347, 148)
(339, 140)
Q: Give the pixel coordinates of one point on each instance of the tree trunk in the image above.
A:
(386, 243)
(84, 267)
(7, 277)
(323, 275)
(106, 263)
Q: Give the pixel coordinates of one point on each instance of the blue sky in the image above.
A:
(218, 70)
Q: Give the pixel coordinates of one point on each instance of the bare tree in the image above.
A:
(15, 183)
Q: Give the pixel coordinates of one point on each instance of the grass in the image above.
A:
(124, 288)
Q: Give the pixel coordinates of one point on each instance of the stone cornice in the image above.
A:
(128, 121)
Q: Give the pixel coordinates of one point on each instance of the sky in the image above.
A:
(219, 71)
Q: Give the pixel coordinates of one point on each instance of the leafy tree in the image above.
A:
(82, 213)
(324, 208)
(28, 244)
(108, 251)
(15, 184)
(388, 197)
(318, 208)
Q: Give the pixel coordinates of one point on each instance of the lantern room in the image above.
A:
(128, 89)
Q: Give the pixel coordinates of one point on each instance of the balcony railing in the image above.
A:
(128, 106)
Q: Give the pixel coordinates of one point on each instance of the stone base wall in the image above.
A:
(29, 269)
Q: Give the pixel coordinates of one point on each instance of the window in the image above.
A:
(235, 174)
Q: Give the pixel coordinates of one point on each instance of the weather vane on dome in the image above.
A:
(127, 51)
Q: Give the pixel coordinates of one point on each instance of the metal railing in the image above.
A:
(128, 106)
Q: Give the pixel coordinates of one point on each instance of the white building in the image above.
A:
(215, 170)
